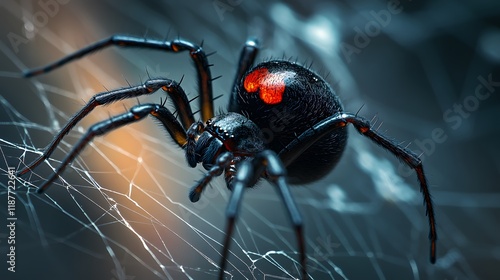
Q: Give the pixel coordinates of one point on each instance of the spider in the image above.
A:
(304, 150)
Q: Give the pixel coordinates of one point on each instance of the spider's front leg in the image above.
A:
(221, 164)
(193, 134)
(249, 172)
(202, 147)
(196, 53)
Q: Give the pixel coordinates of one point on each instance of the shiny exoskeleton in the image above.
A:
(306, 100)
(226, 133)
(284, 124)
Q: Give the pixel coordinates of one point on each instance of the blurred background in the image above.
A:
(425, 71)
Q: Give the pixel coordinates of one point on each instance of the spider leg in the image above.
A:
(230, 171)
(220, 164)
(135, 114)
(248, 173)
(193, 133)
(171, 87)
(196, 53)
(247, 58)
(325, 127)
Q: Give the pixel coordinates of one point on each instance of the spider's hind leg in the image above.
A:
(329, 125)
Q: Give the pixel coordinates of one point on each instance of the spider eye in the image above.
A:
(271, 86)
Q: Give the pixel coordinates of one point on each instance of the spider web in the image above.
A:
(121, 210)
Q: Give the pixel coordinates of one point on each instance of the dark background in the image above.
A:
(363, 221)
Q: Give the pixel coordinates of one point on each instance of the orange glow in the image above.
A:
(271, 86)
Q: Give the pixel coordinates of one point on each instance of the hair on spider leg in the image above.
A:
(408, 145)
(216, 78)
(374, 119)
(211, 53)
(165, 38)
(217, 97)
(194, 98)
(420, 156)
(380, 125)
(162, 103)
(359, 110)
(126, 80)
(181, 80)
(103, 86)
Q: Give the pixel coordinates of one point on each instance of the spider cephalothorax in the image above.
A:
(285, 124)
(226, 132)
(231, 135)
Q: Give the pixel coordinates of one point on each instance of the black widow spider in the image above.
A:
(233, 143)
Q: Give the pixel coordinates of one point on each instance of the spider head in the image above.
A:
(229, 132)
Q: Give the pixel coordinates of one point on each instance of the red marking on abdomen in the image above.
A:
(271, 86)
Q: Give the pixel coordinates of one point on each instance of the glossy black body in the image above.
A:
(227, 132)
(307, 100)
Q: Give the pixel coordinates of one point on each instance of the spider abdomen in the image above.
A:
(285, 99)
